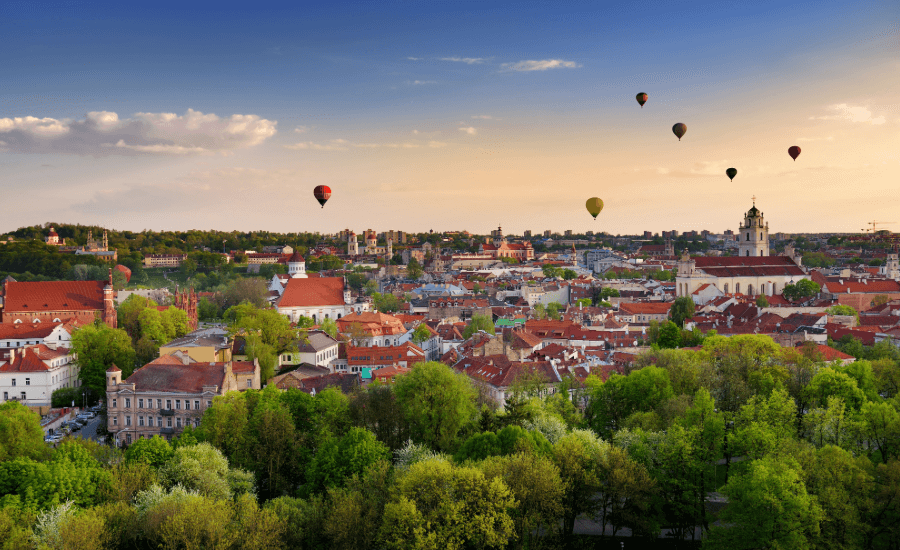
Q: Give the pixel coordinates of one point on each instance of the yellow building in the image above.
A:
(208, 345)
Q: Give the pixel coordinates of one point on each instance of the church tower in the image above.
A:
(499, 239)
(352, 245)
(754, 234)
(891, 268)
(297, 266)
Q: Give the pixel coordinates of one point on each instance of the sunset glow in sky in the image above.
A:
(450, 115)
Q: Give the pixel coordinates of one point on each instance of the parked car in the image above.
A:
(72, 425)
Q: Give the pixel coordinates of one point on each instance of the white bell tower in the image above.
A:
(754, 234)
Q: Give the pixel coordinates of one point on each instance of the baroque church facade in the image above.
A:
(753, 272)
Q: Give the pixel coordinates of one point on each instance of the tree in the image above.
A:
(414, 269)
(21, 434)
(477, 323)
(421, 334)
(829, 382)
(682, 308)
(578, 456)
(98, 347)
(762, 301)
(154, 451)
(669, 335)
(201, 468)
(768, 507)
(569, 274)
(438, 505)
(436, 401)
(535, 484)
(803, 288)
(385, 303)
(339, 459)
(329, 327)
(841, 309)
(551, 271)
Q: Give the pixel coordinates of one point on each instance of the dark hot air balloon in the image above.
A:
(731, 173)
(794, 152)
(641, 98)
(322, 194)
(679, 130)
(594, 206)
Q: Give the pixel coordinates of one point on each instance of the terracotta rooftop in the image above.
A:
(322, 291)
(54, 296)
(169, 374)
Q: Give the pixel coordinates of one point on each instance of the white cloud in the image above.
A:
(103, 133)
(852, 113)
(301, 129)
(420, 82)
(469, 130)
(333, 145)
(540, 65)
(483, 117)
(414, 58)
(466, 60)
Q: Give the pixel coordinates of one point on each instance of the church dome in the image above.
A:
(753, 211)
(296, 257)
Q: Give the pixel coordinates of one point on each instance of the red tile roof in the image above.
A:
(26, 331)
(31, 359)
(54, 296)
(645, 308)
(322, 291)
(170, 374)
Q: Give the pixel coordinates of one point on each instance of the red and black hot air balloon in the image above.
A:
(322, 194)
(679, 130)
(641, 99)
(794, 152)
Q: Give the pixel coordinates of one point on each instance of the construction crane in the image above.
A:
(874, 227)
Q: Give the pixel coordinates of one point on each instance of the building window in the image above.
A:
(6, 396)
(114, 405)
(127, 402)
(13, 382)
(169, 404)
(196, 404)
(159, 421)
(28, 381)
(187, 405)
(249, 383)
(150, 421)
(128, 420)
(140, 403)
(168, 421)
(115, 421)
(178, 404)
(178, 422)
(128, 438)
(23, 396)
(140, 421)
(208, 404)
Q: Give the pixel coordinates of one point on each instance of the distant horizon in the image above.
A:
(432, 114)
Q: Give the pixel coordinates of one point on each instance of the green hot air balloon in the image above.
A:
(679, 130)
(641, 98)
(594, 206)
(731, 173)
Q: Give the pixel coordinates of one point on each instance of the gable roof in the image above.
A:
(321, 291)
(170, 374)
(54, 296)
(31, 359)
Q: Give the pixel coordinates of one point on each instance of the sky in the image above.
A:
(449, 115)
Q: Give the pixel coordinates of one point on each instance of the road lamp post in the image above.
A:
(83, 399)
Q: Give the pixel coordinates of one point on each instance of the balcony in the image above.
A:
(167, 430)
(166, 412)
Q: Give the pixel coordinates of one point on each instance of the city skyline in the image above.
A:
(450, 116)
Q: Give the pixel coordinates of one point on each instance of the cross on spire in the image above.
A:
(754, 200)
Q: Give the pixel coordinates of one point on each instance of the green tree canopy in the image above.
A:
(803, 288)
(437, 402)
(682, 308)
(479, 322)
(98, 347)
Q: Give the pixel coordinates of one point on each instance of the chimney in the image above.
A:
(185, 359)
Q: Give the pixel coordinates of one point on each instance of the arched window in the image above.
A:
(748, 236)
(760, 236)
(749, 290)
(737, 288)
(747, 254)
(726, 288)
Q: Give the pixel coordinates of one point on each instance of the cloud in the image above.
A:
(420, 82)
(103, 133)
(466, 60)
(852, 113)
(540, 65)
(436, 144)
(483, 117)
(469, 130)
(301, 129)
(344, 145)
(414, 58)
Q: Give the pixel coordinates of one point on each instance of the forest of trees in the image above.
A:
(806, 454)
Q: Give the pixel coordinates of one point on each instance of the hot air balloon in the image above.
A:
(731, 173)
(641, 98)
(794, 152)
(594, 206)
(322, 194)
(679, 130)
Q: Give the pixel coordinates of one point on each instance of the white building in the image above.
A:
(320, 349)
(32, 373)
(753, 272)
(315, 297)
